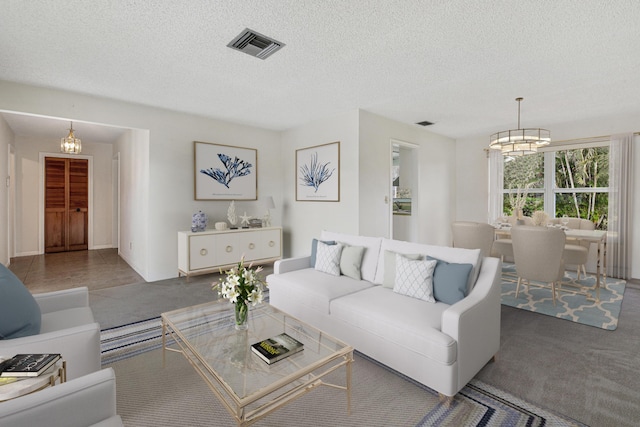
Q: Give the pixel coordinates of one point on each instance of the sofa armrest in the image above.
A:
(84, 401)
(291, 264)
(474, 322)
(62, 300)
(79, 346)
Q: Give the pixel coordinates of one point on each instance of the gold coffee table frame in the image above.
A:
(248, 387)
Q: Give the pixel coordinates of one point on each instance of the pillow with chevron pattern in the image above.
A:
(414, 278)
(328, 258)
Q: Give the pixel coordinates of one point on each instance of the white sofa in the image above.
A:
(440, 345)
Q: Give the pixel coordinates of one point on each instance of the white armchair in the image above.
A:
(67, 327)
(86, 401)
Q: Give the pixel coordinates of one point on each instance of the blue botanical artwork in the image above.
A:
(315, 173)
(234, 168)
(318, 173)
(225, 172)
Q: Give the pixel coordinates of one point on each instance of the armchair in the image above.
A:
(86, 401)
(67, 327)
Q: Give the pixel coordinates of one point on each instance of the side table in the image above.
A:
(58, 372)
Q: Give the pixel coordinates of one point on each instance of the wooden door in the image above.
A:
(66, 204)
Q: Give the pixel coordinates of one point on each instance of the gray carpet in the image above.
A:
(589, 374)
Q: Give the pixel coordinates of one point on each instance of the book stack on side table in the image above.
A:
(27, 373)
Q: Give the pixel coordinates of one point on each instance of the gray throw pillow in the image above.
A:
(19, 312)
(389, 279)
(314, 249)
(351, 261)
(450, 281)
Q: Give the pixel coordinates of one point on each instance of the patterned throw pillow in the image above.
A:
(414, 278)
(328, 258)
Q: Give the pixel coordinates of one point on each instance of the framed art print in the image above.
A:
(223, 172)
(318, 173)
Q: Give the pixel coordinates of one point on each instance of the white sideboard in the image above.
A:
(211, 250)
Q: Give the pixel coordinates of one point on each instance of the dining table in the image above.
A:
(599, 237)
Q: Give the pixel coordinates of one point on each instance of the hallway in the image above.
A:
(96, 269)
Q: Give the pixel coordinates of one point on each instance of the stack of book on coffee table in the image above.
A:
(26, 373)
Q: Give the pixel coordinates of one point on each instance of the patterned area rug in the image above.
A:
(569, 305)
(179, 395)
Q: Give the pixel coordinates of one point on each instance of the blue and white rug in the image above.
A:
(569, 305)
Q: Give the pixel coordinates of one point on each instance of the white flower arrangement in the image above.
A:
(242, 285)
(540, 218)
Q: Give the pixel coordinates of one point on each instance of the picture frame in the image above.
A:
(225, 172)
(318, 173)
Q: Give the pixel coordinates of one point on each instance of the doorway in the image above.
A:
(66, 204)
(404, 191)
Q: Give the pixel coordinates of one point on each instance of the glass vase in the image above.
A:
(242, 316)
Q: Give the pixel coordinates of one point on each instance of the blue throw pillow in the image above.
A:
(19, 312)
(450, 281)
(314, 249)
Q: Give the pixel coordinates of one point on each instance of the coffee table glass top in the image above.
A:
(212, 342)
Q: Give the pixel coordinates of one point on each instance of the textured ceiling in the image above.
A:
(459, 64)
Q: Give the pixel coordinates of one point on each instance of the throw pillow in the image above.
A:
(19, 312)
(328, 258)
(314, 249)
(450, 281)
(351, 261)
(414, 278)
(389, 279)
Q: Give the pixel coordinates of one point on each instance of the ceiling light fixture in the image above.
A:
(519, 142)
(70, 144)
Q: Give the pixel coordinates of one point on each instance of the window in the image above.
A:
(570, 182)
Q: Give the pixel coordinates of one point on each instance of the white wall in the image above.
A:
(6, 139)
(471, 168)
(435, 200)
(164, 199)
(305, 220)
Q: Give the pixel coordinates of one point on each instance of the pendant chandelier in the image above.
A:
(70, 144)
(519, 142)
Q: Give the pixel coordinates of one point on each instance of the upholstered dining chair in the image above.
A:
(577, 250)
(538, 254)
(473, 235)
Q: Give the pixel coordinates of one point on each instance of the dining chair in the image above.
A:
(473, 235)
(574, 253)
(538, 254)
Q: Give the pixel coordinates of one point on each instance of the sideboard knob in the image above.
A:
(272, 243)
(252, 246)
(203, 252)
(229, 248)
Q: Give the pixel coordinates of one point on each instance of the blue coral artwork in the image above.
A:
(224, 172)
(318, 173)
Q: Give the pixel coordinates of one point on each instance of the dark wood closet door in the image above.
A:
(66, 204)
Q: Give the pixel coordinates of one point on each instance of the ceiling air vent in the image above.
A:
(424, 123)
(255, 44)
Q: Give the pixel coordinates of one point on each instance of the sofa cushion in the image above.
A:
(314, 250)
(19, 312)
(445, 253)
(414, 278)
(371, 252)
(328, 258)
(398, 320)
(312, 288)
(390, 267)
(450, 281)
(351, 261)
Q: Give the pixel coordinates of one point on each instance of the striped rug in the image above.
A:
(150, 395)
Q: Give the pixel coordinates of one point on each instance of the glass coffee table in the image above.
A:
(246, 385)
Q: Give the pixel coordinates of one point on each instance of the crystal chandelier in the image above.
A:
(518, 142)
(70, 144)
